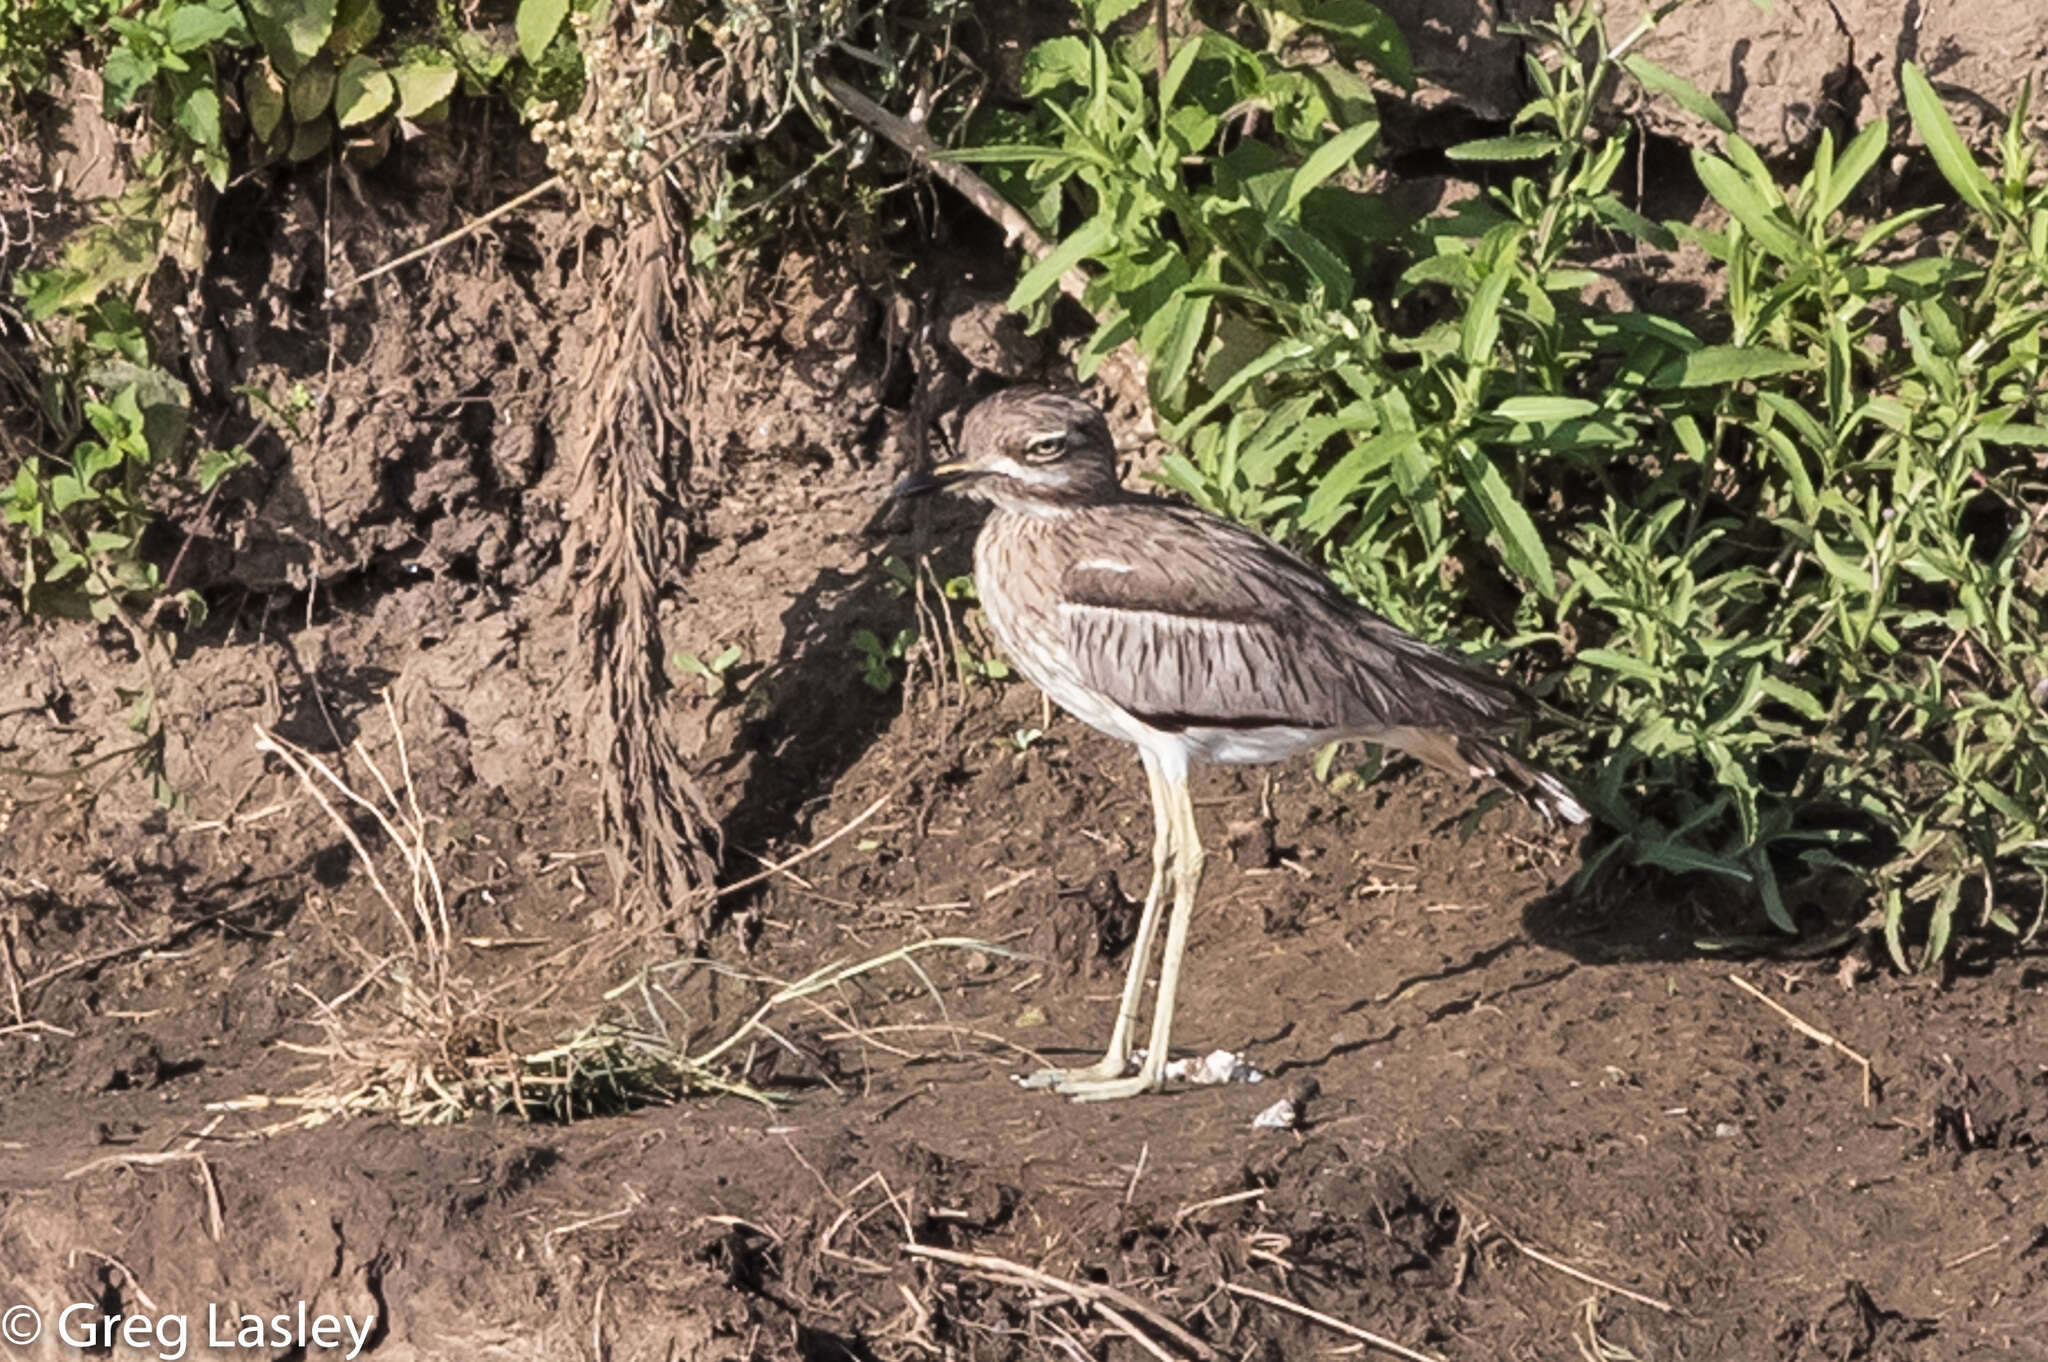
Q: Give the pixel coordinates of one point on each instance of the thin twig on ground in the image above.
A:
(1588, 1278)
(1807, 1029)
(442, 242)
(781, 867)
(1106, 1300)
(215, 1221)
(1365, 1336)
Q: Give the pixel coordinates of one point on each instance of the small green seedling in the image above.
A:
(878, 658)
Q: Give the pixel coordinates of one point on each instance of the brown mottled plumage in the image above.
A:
(1197, 640)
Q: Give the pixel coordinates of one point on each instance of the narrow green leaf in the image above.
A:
(1679, 90)
(1325, 264)
(1521, 146)
(1749, 206)
(1609, 660)
(1325, 161)
(1785, 693)
(1521, 545)
(1278, 355)
(2012, 433)
(1331, 498)
(1684, 860)
(1854, 163)
(1481, 327)
(1090, 237)
(1541, 409)
(1716, 366)
(1951, 155)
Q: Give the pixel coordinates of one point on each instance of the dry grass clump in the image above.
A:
(414, 1037)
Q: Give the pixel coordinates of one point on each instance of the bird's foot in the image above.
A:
(1103, 1082)
(1103, 1070)
(1113, 1089)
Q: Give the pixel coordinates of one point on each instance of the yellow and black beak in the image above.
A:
(937, 478)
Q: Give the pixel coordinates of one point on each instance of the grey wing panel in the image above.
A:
(1179, 671)
(1191, 618)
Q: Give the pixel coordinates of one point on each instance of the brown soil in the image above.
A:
(1532, 1128)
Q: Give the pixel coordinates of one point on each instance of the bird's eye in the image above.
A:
(1045, 447)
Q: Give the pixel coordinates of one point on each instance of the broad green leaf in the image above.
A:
(124, 74)
(361, 92)
(311, 91)
(1521, 146)
(1061, 61)
(1102, 13)
(1680, 90)
(1521, 546)
(1951, 155)
(1042, 278)
(1716, 366)
(1367, 27)
(263, 99)
(356, 24)
(537, 22)
(310, 139)
(291, 31)
(199, 116)
(422, 86)
(194, 26)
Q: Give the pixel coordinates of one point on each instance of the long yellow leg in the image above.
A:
(1187, 878)
(1118, 1057)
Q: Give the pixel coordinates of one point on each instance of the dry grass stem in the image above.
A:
(1810, 1031)
(1229, 1199)
(1365, 1336)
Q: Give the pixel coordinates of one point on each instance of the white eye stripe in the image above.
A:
(1026, 473)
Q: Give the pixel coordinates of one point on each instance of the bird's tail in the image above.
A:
(1475, 757)
(1544, 791)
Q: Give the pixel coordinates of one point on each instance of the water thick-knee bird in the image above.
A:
(1196, 640)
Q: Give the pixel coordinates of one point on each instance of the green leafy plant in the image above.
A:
(878, 656)
(717, 674)
(1783, 557)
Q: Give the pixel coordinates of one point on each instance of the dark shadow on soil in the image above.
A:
(825, 717)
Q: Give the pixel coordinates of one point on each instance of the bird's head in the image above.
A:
(1027, 449)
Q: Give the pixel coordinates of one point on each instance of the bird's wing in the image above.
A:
(1186, 620)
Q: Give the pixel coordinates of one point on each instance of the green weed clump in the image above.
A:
(1785, 557)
